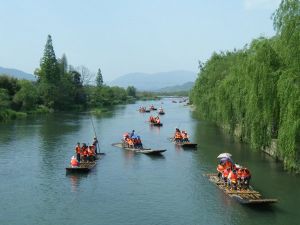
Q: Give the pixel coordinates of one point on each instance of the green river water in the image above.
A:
(127, 188)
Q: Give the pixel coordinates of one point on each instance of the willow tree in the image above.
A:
(287, 25)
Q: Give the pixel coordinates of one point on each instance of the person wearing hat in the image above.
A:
(95, 144)
(74, 162)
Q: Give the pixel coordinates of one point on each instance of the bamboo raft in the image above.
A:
(156, 124)
(248, 196)
(184, 145)
(148, 151)
(161, 113)
(84, 167)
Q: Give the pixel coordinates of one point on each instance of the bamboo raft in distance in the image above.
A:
(156, 124)
(148, 151)
(249, 196)
(84, 167)
(185, 145)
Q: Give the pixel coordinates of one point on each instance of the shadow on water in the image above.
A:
(156, 157)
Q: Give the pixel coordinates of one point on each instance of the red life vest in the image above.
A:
(225, 173)
(220, 168)
(74, 162)
(232, 176)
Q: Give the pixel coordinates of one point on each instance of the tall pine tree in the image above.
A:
(99, 79)
(49, 70)
(49, 76)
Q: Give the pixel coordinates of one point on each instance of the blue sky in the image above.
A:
(123, 36)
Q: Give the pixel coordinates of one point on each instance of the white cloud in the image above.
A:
(261, 4)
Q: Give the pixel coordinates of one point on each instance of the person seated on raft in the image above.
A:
(84, 152)
(232, 179)
(157, 120)
(225, 176)
(178, 136)
(185, 137)
(74, 162)
(130, 143)
(91, 154)
(245, 178)
(220, 169)
(139, 142)
(152, 119)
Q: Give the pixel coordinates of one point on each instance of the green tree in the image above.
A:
(27, 96)
(49, 70)
(4, 99)
(49, 76)
(131, 91)
(99, 79)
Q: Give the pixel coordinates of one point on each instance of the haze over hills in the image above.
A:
(154, 81)
(16, 73)
(177, 88)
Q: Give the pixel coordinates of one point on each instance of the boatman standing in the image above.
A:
(95, 144)
(77, 151)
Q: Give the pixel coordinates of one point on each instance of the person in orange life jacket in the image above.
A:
(245, 178)
(78, 151)
(74, 162)
(85, 153)
(95, 144)
(225, 175)
(91, 153)
(139, 142)
(157, 120)
(220, 169)
(177, 136)
(228, 164)
(130, 143)
(232, 179)
(184, 136)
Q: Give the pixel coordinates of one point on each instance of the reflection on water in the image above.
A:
(75, 180)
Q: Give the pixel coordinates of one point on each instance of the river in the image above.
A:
(127, 188)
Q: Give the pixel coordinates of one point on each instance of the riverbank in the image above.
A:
(272, 149)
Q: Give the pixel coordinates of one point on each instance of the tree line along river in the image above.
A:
(128, 188)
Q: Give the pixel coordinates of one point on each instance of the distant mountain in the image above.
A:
(177, 88)
(16, 73)
(154, 81)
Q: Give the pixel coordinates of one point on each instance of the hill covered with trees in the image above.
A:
(255, 92)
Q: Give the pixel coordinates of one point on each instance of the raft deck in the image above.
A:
(156, 124)
(140, 150)
(248, 196)
(185, 145)
(82, 168)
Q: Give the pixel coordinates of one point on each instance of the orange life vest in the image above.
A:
(228, 164)
(220, 168)
(178, 135)
(78, 149)
(74, 162)
(239, 173)
(232, 176)
(225, 173)
(85, 152)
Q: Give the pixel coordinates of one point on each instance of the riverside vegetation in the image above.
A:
(255, 91)
(58, 87)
